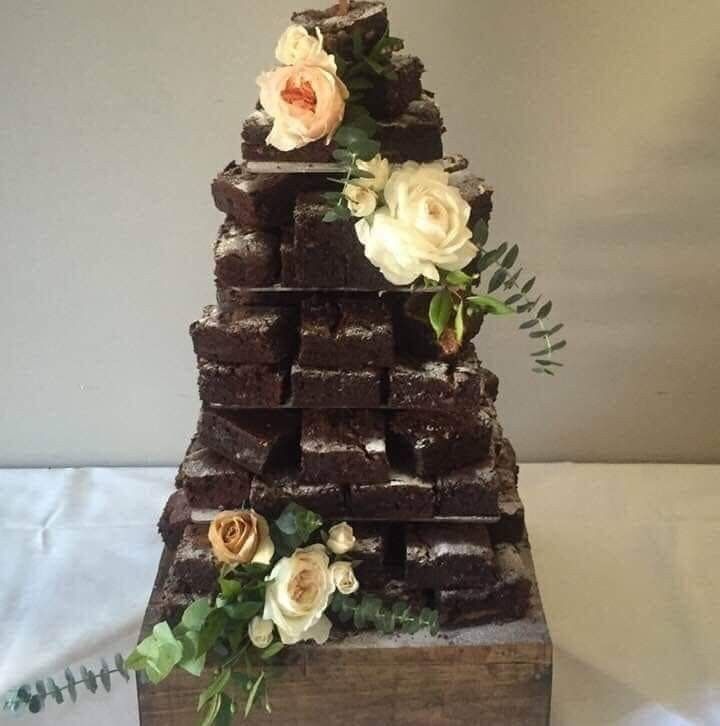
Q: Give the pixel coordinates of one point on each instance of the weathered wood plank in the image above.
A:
(499, 675)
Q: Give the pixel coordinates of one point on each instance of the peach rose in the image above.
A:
(242, 537)
(306, 103)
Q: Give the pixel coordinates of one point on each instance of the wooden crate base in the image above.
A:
(492, 675)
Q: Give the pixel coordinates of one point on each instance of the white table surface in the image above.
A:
(626, 556)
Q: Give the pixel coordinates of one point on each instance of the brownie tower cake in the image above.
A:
(322, 383)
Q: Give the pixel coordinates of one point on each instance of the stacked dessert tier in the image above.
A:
(324, 385)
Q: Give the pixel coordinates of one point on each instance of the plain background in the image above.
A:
(595, 122)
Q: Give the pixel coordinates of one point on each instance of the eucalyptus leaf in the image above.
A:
(71, 688)
(528, 286)
(545, 310)
(529, 324)
(350, 136)
(497, 279)
(105, 676)
(511, 257)
(481, 232)
(555, 363)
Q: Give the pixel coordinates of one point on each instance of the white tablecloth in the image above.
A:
(626, 557)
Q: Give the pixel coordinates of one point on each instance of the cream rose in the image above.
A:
(362, 201)
(341, 538)
(344, 578)
(297, 595)
(297, 47)
(261, 632)
(379, 168)
(423, 228)
(238, 538)
(306, 103)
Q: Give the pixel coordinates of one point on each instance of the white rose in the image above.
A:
(341, 538)
(297, 595)
(344, 578)
(379, 168)
(423, 227)
(306, 103)
(297, 47)
(362, 201)
(261, 632)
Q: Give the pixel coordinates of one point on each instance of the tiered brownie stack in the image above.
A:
(323, 385)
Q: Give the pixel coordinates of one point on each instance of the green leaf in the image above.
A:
(41, 690)
(359, 83)
(105, 676)
(54, 691)
(489, 304)
(243, 610)
(545, 310)
(366, 150)
(120, 665)
(71, 689)
(35, 704)
(550, 363)
(272, 650)
(538, 334)
(458, 278)
(230, 589)
(512, 280)
(332, 197)
(212, 710)
(490, 258)
(350, 136)
(211, 630)
(529, 324)
(217, 686)
(555, 329)
(460, 323)
(481, 233)
(197, 613)
(551, 349)
(440, 309)
(343, 156)
(528, 286)
(89, 679)
(511, 257)
(513, 299)
(226, 714)
(497, 279)
(253, 694)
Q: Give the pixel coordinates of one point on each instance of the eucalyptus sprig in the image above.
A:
(29, 699)
(371, 611)
(504, 259)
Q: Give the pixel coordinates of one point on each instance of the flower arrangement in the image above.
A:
(278, 584)
(412, 223)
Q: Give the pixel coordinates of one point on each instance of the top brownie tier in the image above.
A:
(368, 19)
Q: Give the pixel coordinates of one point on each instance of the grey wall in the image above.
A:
(596, 122)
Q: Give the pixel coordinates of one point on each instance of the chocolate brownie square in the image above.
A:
(211, 481)
(270, 499)
(249, 335)
(449, 556)
(257, 201)
(343, 447)
(369, 553)
(347, 334)
(366, 19)
(476, 192)
(329, 254)
(511, 526)
(508, 599)
(324, 388)
(403, 498)
(430, 443)
(194, 569)
(249, 258)
(469, 492)
(390, 97)
(175, 517)
(463, 384)
(246, 386)
(256, 440)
